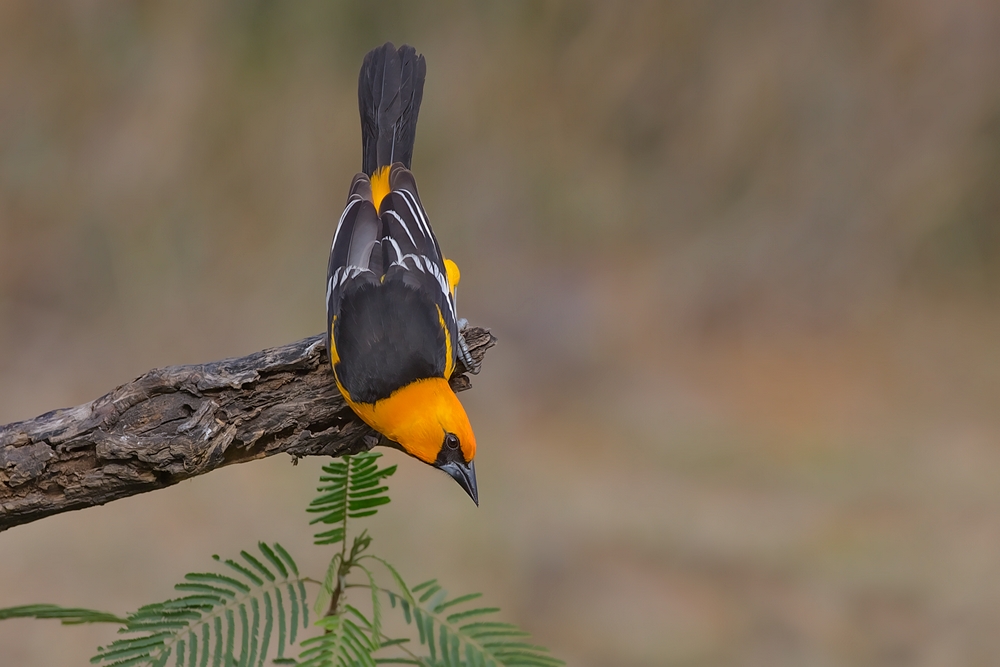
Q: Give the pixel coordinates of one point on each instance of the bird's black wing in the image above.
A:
(390, 314)
(411, 254)
(356, 254)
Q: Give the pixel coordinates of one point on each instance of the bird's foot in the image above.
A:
(463, 349)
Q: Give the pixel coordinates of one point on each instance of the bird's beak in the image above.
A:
(465, 475)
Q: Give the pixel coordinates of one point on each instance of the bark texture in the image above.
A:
(177, 422)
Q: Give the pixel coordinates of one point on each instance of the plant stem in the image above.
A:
(345, 564)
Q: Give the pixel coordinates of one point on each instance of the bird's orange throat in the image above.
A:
(418, 416)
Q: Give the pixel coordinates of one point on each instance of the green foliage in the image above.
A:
(68, 615)
(344, 642)
(352, 490)
(456, 633)
(227, 619)
(258, 607)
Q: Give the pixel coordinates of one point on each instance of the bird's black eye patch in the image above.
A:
(451, 441)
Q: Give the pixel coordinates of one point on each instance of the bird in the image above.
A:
(393, 334)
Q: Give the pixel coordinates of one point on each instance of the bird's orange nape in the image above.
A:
(418, 416)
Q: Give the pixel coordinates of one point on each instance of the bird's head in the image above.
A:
(428, 422)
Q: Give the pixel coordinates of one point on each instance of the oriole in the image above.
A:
(392, 330)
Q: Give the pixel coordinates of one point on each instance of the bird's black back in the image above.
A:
(387, 336)
(390, 312)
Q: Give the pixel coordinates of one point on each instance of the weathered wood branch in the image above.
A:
(177, 422)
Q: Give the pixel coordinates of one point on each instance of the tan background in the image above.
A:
(743, 260)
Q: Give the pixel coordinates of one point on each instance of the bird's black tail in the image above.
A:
(390, 87)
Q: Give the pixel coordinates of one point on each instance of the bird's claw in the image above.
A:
(463, 350)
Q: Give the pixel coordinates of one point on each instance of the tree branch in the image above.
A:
(177, 422)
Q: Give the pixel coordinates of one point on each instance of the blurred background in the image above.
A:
(743, 262)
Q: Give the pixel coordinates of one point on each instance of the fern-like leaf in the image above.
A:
(222, 620)
(456, 632)
(68, 615)
(352, 489)
(345, 642)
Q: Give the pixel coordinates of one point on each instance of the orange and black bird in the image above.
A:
(392, 329)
